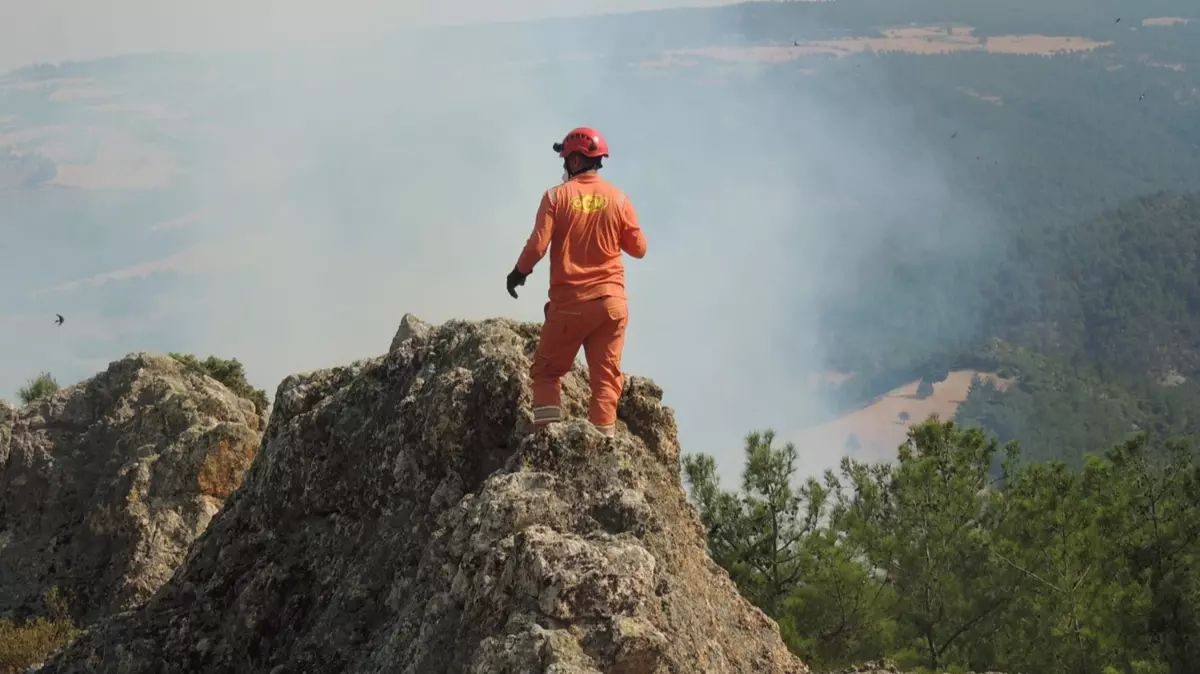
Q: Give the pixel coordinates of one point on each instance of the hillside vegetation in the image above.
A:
(935, 563)
(26, 643)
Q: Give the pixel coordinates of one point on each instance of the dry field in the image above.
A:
(92, 157)
(21, 136)
(878, 426)
(120, 162)
(930, 40)
(114, 160)
(185, 220)
(1165, 21)
(987, 98)
(187, 261)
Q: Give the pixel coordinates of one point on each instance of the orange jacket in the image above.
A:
(586, 223)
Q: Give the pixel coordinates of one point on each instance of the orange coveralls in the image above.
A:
(586, 223)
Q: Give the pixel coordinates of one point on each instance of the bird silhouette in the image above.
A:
(60, 319)
(954, 135)
(1118, 20)
(1142, 96)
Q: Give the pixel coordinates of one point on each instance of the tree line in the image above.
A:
(940, 562)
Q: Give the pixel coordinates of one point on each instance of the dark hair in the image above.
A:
(589, 163)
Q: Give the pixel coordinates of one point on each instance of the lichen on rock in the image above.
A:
(401, 516)
(105, 484)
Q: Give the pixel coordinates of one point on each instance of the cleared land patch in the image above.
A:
(881, 426)
(930, 40)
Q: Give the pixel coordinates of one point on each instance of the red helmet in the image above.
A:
(584, 140)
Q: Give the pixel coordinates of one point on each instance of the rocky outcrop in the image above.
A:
(410, 326)
(400, 517)
(104, 485)
(883, 667)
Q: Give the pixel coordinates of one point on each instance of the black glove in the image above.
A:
(515, 278)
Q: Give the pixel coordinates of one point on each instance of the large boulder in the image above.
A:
(105, 484)
(401, 517)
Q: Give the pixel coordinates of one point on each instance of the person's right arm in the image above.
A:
(632, 239)
(539, 240)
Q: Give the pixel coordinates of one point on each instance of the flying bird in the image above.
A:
(954, 135)
(1142, 96)
(1118, 20)
(60, 319)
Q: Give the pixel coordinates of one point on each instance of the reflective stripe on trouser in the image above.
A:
(609, 430)
(599, 327)
(547, 414)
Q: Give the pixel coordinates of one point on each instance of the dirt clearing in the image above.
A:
(879, 428)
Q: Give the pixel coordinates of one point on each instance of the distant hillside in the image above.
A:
(1066, 408)
(1117, 311)
(1099, 326)
(1121, 289)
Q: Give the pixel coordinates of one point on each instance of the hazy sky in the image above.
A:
(57, 30)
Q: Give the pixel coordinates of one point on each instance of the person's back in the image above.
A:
(592, 224)
(586, 223)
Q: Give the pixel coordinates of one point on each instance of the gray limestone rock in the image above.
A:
(402, 518)
(105, 484)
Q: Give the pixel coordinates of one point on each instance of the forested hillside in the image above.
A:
(1099, 322)
(1074, 237)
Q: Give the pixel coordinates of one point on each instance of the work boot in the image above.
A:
(608, 430)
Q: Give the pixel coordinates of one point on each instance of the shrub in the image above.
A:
(229, 372)
(31, 642)
(37, 388)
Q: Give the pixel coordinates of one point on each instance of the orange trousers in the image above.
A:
(599, 327)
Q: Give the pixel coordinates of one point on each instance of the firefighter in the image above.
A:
(586, 223)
